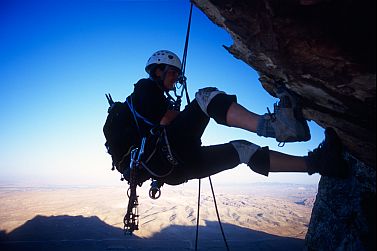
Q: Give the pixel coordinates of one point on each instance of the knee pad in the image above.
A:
(260, 161)
(256, 157)
(245, 150)
(215, 103)
(204, 97)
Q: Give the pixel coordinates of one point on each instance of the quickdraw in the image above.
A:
(131, 219)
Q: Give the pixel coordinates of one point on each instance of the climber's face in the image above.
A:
(171, 78)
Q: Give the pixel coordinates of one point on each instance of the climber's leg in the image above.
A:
(280, 162)
(262, 160)
(283, 125)
(286, 124)
(327, 159)
(238, 116)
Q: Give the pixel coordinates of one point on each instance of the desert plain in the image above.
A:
(259, 216)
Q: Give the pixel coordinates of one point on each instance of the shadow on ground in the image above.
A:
(71, 233)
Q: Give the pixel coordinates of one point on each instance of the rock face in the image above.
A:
(344, 213)
(325, 52)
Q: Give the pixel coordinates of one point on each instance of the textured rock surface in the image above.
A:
(344, 214)
(324, 52)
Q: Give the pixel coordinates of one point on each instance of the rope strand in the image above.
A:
(183, 70)
(197, 219)
(186, 42)
(184, 57)
(217, 213)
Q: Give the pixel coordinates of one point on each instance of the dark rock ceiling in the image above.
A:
(323, 50)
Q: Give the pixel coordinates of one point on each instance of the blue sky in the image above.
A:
(59, 58)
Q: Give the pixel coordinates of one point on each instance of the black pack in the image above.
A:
(121, 134)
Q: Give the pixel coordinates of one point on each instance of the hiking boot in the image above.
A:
(327, 159)
(290, 125)
(287, 123)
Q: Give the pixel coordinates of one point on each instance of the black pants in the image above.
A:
(196, 161)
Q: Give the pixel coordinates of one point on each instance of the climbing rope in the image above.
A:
(218, 215)
(184, 57)
(197, 218)
(182, 81)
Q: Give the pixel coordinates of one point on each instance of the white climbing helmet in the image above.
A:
(163, 57)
